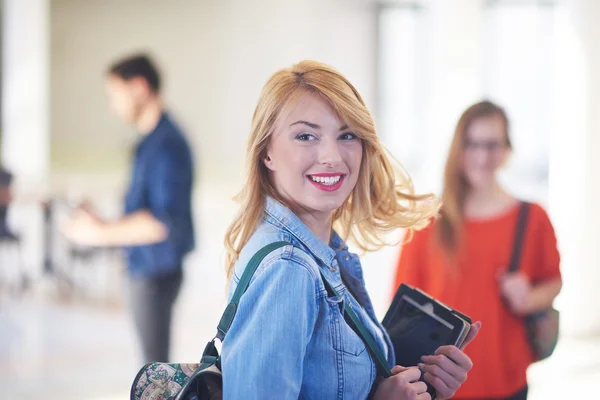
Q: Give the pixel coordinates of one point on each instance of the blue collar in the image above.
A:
(155, 133)
(290, 221)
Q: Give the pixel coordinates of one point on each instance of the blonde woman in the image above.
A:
(315, 163)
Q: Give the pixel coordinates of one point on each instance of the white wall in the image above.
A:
(215, 55)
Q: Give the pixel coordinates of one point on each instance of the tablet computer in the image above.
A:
(418, 325)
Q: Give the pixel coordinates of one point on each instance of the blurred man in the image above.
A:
(156, 229)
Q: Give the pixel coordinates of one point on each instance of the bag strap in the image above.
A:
(360, 329)
(355, 323)
(519, 235)
(253, 264)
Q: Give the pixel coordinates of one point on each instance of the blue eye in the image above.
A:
(306, 137)
(348, 136)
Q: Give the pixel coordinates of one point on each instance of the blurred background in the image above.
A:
(64, 327)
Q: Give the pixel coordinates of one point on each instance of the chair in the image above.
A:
(12, 274)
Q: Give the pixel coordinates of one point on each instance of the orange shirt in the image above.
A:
(500, 353)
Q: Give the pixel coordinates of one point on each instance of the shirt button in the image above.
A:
(346, 257)
(333, 267)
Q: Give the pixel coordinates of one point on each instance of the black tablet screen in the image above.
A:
(415, 333)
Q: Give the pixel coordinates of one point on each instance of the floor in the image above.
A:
(83, 347)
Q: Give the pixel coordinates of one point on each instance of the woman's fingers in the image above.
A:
(398, 368)
(409, 375)
(424, 396)
(447, 370)
(404, 384)
(441, 388)
(457, 356)
(420, 387)
(415, 389)
(452, 360)
(439, 378)
(473, 332)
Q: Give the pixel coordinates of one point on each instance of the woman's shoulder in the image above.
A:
(537, 209)
(539, 217)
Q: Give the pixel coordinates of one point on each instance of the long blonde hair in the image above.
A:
(383, 198)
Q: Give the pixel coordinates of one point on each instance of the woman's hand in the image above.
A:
(402, 385)
(523, 298)
(447, 370)
(517, 291)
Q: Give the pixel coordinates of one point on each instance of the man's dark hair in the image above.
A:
(135, 66)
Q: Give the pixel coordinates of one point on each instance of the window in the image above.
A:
(400, 83)
(501, 50)
(518, 74)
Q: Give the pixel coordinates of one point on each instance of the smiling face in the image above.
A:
(313, 157)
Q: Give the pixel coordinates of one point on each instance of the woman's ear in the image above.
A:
(268, 162)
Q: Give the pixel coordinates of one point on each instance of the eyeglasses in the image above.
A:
(491, 146)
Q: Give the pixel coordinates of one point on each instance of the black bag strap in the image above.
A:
(519, 236)
(355, 323)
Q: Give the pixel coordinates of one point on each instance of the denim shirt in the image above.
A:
(161, 183)
(289, 339)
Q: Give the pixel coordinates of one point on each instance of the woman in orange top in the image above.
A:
(462, 258)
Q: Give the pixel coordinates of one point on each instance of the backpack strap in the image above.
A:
(351, 317)
(253, 264)
(360, 329)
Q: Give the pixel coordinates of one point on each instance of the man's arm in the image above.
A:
(168, 188)
(137, 228)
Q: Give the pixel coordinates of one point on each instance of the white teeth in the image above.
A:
(329, 180)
